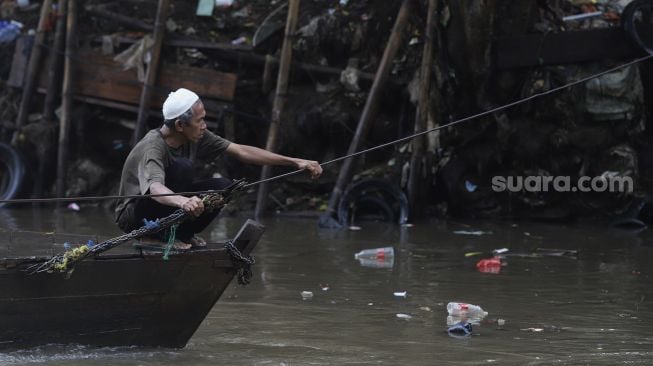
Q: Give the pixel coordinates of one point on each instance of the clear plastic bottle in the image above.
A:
(461, 309)
(376, 253)
(386, 262)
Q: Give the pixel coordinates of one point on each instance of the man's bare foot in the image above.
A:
(180, 245)
(196, 241)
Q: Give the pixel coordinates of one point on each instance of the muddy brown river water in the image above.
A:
(591, 310)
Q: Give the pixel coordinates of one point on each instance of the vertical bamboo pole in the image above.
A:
(279, 101)
(32, 69)
(54, 68)
(152, 70)
(66, 96)
(369, 111)
(416, 161)
(44, 152)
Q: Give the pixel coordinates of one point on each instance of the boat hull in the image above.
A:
(118, 300)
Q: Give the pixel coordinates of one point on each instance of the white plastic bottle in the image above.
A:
(461, 309)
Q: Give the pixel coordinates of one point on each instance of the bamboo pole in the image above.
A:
(32, 69)
(152, 70)
(279, 101)
(66, 96)
(369, 111)
(415, 185)
(54, 68)
(45, 150)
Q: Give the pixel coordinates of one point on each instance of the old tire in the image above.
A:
(12, 173)
(379, 195)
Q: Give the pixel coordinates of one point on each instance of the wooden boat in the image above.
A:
(127, 297)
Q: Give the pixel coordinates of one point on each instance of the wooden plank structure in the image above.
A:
(101, 80)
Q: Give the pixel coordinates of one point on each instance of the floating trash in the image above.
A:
(377, 263)
(306, 295)
(472, 232)
(471, 254)
(489, 265)
(375, 253)
(376, 258)
(461, 329)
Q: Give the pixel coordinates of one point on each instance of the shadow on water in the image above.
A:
(591, 309)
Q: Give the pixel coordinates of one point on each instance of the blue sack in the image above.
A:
(9, 30)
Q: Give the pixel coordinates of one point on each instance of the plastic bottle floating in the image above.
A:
(377, 253)
(464, 310)
(376, 258)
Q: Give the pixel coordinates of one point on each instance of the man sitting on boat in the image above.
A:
(162, 163)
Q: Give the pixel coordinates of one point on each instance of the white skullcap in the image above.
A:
(178, 102)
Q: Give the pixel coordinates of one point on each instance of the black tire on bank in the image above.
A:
(629, 19)
(379, 195)
(12, 173)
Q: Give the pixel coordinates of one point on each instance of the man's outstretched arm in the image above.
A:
(254, 155)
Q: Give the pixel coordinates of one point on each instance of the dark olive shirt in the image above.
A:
(148, 160)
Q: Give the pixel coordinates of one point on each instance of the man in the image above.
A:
(162, 163)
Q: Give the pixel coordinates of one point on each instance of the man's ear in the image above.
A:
(178, 126)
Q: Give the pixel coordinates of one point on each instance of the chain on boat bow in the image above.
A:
(65, 262)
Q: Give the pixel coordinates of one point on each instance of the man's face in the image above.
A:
(195, 129)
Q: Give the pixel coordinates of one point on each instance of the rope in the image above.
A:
(465, 119)
(171, 241)
(381, 146)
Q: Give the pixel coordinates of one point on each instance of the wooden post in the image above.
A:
(66, 96)
(152, 70)
(46, 149)
(279, 101)
(416, 161)
(369, 111)
(32, 69)
(54, 68)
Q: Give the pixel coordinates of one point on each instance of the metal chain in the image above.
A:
(243, 263)
(65, 262)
